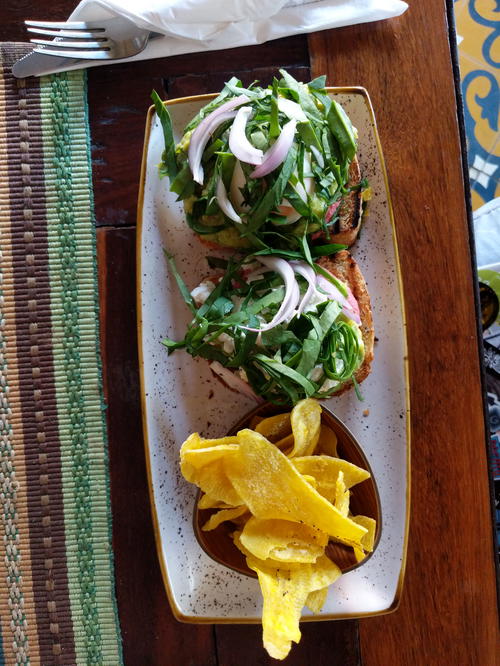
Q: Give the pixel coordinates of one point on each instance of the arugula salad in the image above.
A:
(282, 330)
(264, 168)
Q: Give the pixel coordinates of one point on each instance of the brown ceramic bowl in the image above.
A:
(364, 500)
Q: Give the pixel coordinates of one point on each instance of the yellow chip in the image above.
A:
(368, 539)
(311, 481)
(221, 516)
(199, 458)
(316, 600)
(285, 593)
(283, 540)
(194, 441)
(326, 469)
(327, 442)
(271, 487)
(208, 502)
(342, 496)
(306, 423)
(204, 466)
(275, 427)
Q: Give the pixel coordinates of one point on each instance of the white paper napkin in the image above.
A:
(208, 25)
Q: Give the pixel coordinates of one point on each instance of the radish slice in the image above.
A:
(233, 381)
(351, 308)
(239, 145)
(331, 210)
(308, 274)
(277, 152)
(224, 204)
(292, 110)
(201, 134)
(292, 292)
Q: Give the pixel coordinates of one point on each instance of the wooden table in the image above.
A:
(448, 613)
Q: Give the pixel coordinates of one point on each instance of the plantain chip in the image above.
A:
(368, 541)
(208, 502)
(275, 427)
(285, 593)
(316, 599)
(326, 469)
(306, 424)
(283, 540)
(221, 516)
(204, 466)
(342, 496)
(271, 487)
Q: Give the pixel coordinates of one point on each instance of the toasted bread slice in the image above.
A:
(346, 229)
(343, 266)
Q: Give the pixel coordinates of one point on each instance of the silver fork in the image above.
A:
(109, 39)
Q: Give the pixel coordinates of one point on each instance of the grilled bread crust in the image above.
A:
(343, 266)
(349, 223)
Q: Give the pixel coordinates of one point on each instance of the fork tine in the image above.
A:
(62, 25)
(61, 44)
(80, 55)
(77, 34)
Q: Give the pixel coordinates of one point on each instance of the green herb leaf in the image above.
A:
(341, 128)
(274, 194)
(166, 123)
(185, 293)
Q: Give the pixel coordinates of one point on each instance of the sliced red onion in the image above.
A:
(224, 204)
(233, 381)
(201, 134)
(292, 110)
(301, 268)
(292, 215)
(292, 292)
(197, 144)
(330, 289)
(237, 183)
(277, 152)
(239, 145)
(349, 305)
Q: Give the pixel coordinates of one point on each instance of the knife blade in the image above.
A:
(37, 64)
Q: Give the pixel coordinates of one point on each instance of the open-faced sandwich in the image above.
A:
(268, 168)
(282, 330)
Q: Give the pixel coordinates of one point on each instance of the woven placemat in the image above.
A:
(57, 600)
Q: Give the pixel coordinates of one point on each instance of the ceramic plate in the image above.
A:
(180, 395)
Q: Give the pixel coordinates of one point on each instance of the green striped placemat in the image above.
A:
(57, 599)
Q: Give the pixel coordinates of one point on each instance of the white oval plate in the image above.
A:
(180, 395)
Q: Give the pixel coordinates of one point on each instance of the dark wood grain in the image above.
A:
(151, 635)
(322, 644)
(448, 614)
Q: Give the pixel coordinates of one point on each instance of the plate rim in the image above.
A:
(177, 612)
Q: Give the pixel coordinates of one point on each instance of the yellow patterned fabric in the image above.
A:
(478, 32)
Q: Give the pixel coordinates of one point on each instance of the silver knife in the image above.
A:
(37, 64)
